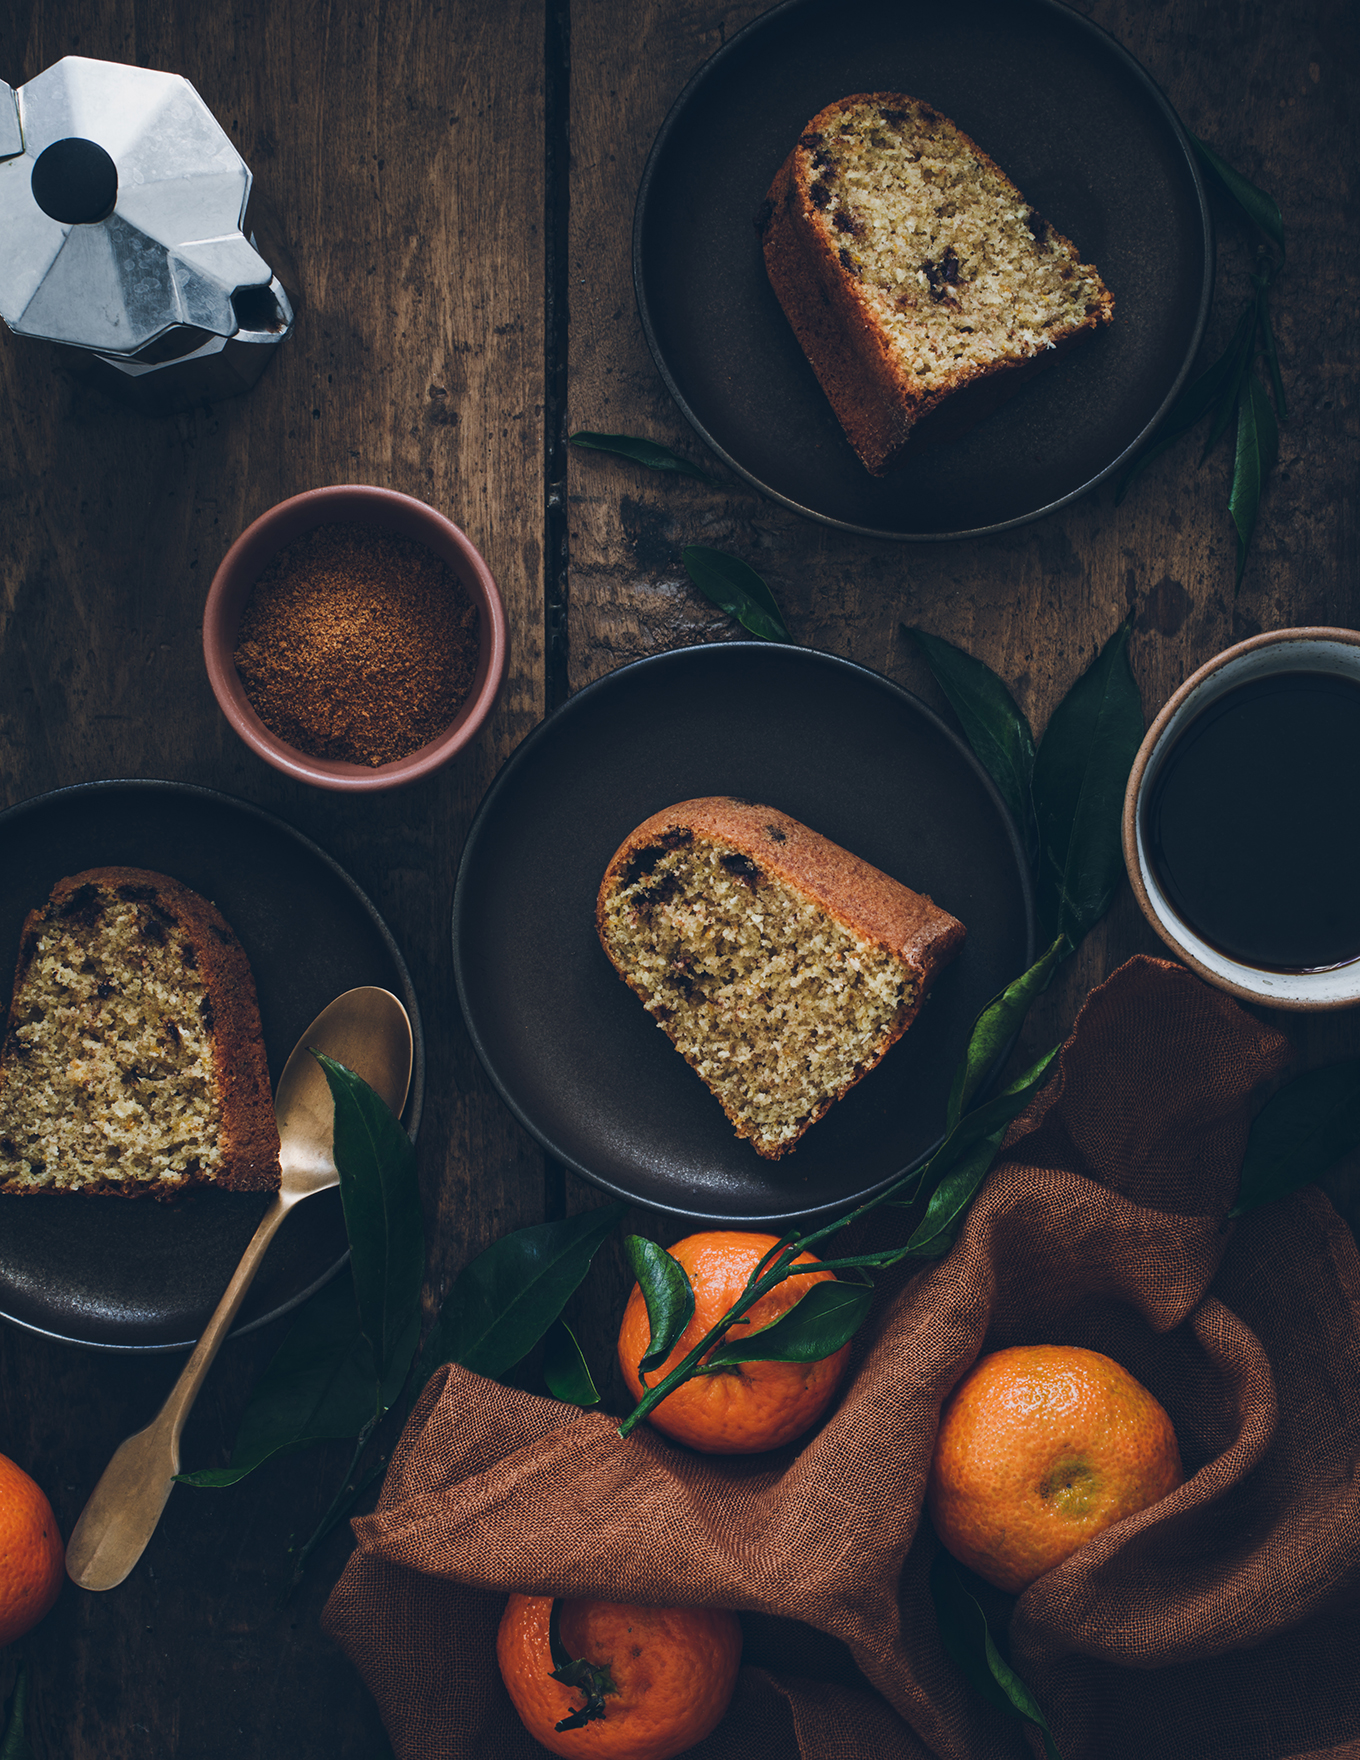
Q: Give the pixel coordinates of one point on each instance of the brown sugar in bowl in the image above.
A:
(381, 510)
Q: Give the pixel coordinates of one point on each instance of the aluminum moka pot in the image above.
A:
(121, 207)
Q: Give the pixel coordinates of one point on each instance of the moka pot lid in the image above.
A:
(121, 202)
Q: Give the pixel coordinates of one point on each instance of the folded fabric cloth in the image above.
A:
(1223, 1621)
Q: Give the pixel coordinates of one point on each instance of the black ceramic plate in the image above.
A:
(571, 1049)
(130, 1275)
(1068, 115)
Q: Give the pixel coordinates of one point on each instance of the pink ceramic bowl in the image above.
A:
(358, 505)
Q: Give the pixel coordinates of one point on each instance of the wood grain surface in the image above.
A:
(455, 185)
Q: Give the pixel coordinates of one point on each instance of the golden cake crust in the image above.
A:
(814, 270)
(168, 913)
(865, 901)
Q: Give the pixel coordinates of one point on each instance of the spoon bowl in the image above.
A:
(368, 1031)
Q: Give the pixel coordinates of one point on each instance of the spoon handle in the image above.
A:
(125, 1506)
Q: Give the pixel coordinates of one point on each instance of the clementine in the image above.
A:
(1040, 1448)
(31, 1553)
(751, 1406)
(671, 1674)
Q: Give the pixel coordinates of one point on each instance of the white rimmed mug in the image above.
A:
(1335, 651)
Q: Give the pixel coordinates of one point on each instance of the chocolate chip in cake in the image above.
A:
(819, 195)
(85, 904)
(664, 889)
(641, 862)
(741, 868)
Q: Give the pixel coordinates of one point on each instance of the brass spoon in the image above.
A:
(368, 1031)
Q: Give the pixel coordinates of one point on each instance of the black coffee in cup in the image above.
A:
(1252, 826)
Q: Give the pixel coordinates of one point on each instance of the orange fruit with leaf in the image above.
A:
(32, 1556)
(1040, 1448)
(604, 1680)
(746, 1407)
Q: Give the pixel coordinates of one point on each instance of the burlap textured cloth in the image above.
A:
(1224, 1621)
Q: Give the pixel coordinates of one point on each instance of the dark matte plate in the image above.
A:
(1068, 115)
(571, 1049)
(134, 1275)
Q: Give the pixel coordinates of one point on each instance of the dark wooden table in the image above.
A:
(456, 182)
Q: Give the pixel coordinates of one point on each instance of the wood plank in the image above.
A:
(402, 149)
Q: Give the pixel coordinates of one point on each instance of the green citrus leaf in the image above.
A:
(669, 1296)
(507, 1298)
(966, 1636)
(735, 587)
(1258, 446)
(1299, 1133)
(813, 1328)
(992, 724)
(1261, 209)
(646, 452)
(565, 1369)
(1080, 773)
(13, 1742)
(320, 1386)
(936, 1232)
(381, 1198)
(1271, 352)
(994, 1030)
(1225, 413)
(1216, 387)
(961, 1163)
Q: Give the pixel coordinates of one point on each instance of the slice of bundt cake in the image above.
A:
(781, 966)
(910, 266)
(132, 1060)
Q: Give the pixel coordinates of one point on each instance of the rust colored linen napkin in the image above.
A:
(1222, 1622)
